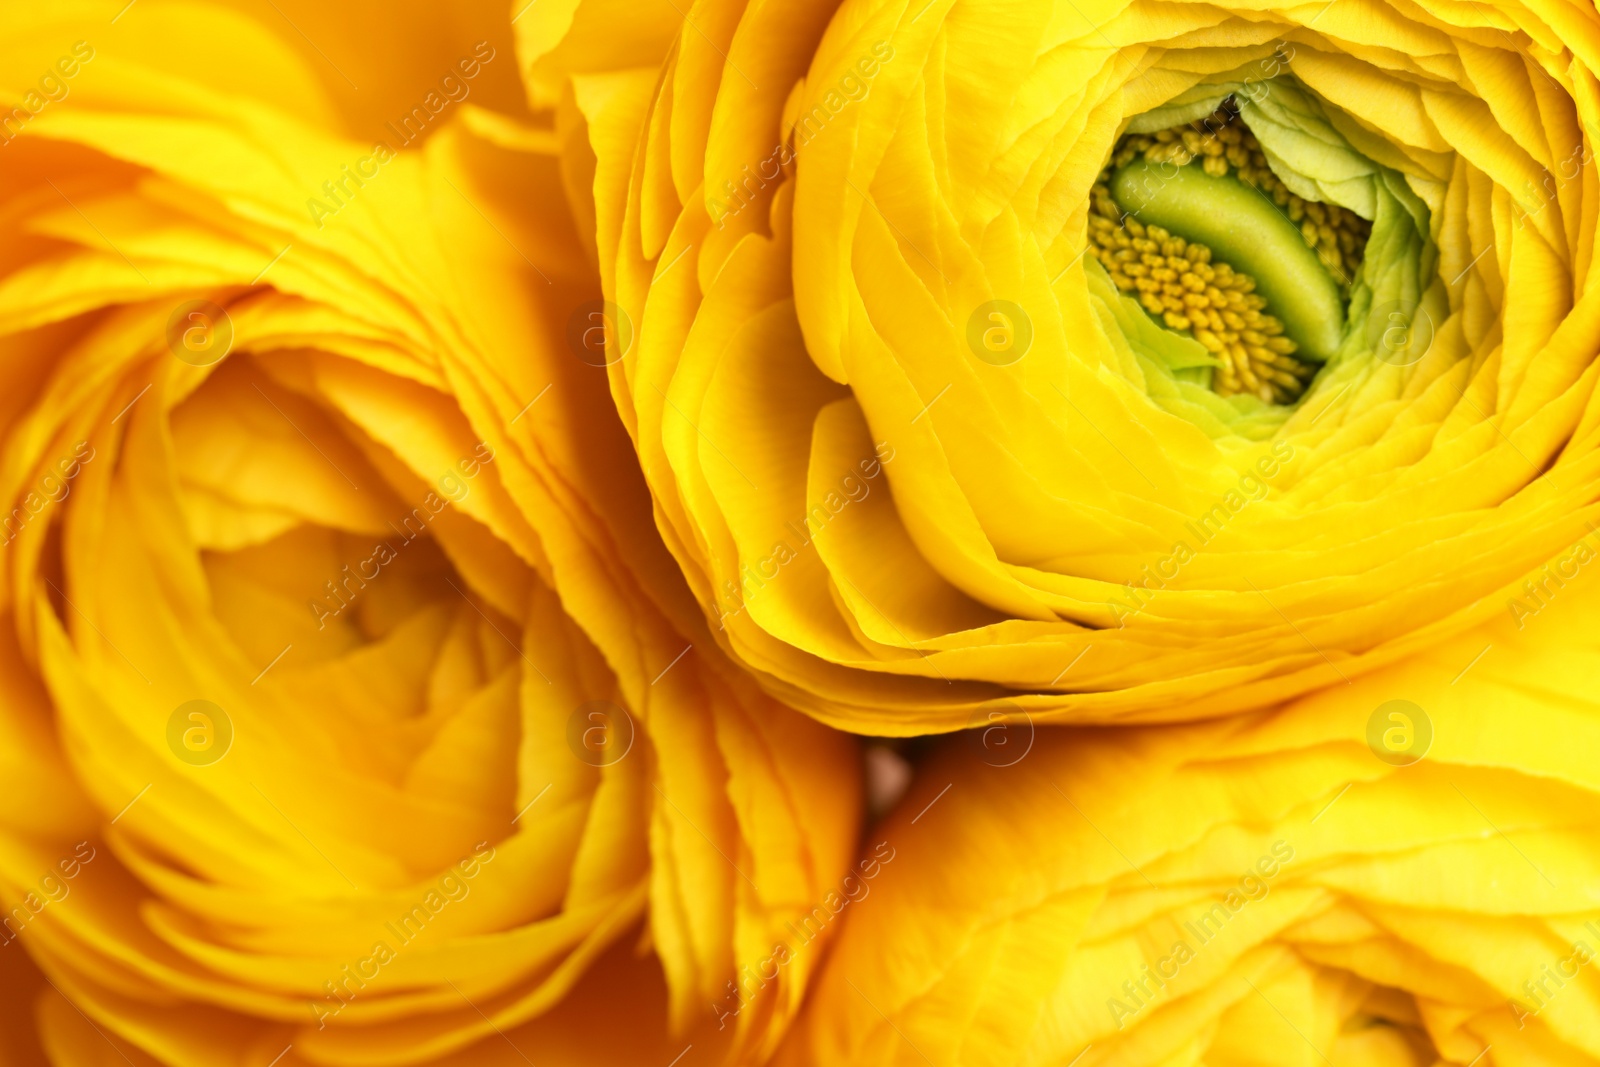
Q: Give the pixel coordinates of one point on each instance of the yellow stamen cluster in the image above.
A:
(1177, 282)
(1224, 145)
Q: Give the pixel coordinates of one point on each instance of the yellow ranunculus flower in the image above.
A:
(352, 711)
(1106, 362)
(1397, 873)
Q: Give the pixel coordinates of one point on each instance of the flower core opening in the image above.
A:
(1192, 222)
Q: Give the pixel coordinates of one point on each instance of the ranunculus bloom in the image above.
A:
(352, 711)
(923, 458)
(1124, 363)
(1291, 888)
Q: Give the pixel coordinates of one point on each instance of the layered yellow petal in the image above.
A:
(807, 216)
(1322, 883)
(362, 714)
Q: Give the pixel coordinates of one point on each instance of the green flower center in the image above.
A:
(1193, 223)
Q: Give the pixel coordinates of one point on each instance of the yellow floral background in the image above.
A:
(522, 545)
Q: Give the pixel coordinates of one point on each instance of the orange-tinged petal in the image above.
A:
(316, 452)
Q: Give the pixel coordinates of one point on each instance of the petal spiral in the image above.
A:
(819, 219)
(362, 716)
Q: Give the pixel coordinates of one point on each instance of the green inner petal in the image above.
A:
(1250, 233)
(1393, 280)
